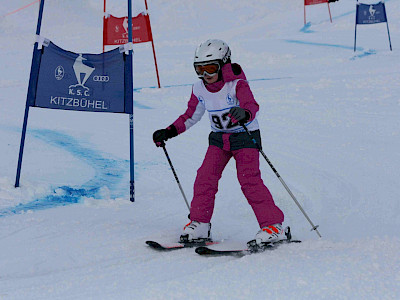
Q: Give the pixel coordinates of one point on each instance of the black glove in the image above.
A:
(162, 135)
(239, 115)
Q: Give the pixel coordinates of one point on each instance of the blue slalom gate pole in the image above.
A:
(355, 28)
(130, 87)
(387, 26)
(355, 38)
(31, 87)
(390, 43)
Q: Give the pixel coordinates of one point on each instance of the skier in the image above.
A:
(224, 92)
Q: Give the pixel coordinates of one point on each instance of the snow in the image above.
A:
(330, 124)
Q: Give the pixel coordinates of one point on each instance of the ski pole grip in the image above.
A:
(160, 144)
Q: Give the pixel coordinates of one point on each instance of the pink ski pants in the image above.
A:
(249, 175)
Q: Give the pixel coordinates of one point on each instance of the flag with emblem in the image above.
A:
(80, 81)
(367, 14)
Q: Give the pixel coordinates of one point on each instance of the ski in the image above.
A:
(176, 246)
(252, 248)
(205, 251)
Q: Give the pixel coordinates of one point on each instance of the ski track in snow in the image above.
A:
(109, 173)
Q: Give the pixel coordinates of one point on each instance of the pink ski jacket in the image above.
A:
(230, 72)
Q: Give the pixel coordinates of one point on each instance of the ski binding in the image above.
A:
(252, 247)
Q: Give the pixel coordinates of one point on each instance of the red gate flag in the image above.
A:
(312, 2)
(115, 31)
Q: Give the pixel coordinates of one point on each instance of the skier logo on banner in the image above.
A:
(372, 11)
(80, 68)
(125, 25)
(367, 14)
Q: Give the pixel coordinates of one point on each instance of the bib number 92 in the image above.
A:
(223, 121)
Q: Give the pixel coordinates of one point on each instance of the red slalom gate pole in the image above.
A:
(329, 9)
(152, 44)
(104, 16)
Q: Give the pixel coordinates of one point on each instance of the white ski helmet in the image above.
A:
(212, 50)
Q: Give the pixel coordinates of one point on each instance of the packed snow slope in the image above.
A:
(330, 124)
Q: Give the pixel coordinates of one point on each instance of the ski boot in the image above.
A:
(266, 236)
(196, 232)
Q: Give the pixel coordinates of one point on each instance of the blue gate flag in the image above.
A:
(371, 13)
(80, 81)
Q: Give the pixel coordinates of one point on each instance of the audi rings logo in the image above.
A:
(103, 78)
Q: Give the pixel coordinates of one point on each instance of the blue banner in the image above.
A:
(371, 13)
(61, 79)
(83, 82)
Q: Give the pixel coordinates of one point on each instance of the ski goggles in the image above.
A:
(209, 69)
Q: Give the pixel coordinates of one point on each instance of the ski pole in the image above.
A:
(176, 176)
(314, 227)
